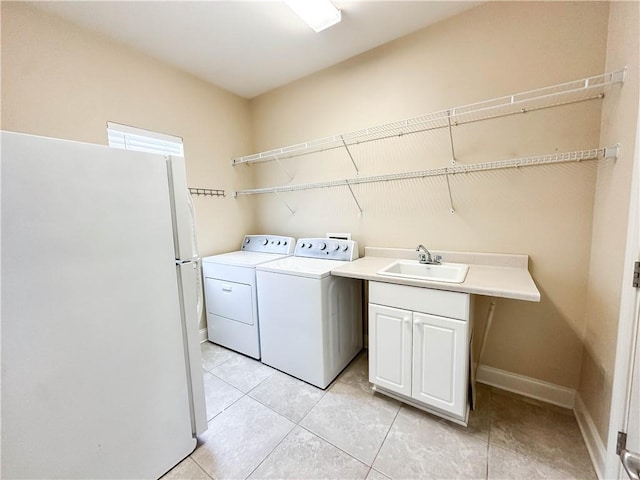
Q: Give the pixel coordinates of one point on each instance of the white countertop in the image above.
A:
(494, 275)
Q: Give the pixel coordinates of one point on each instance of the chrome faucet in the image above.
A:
(424, 256)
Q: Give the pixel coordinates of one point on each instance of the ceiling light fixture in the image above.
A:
(318, 14)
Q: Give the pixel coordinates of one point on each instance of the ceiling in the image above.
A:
(250, 47)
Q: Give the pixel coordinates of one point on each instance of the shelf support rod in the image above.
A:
(451, 210)
(293, 212)
(485, 332)
(286, 172)
(453, 153)
(355, 199)
(346, 147)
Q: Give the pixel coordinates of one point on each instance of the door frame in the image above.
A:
(628, 323)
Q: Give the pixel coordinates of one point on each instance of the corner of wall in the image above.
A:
(595, 446)
(609, 232)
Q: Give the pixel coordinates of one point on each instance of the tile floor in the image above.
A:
(264, 424)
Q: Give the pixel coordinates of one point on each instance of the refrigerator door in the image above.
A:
(189, 282)
(94, 378)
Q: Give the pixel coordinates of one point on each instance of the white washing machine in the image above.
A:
(230, 292)
(310, 321)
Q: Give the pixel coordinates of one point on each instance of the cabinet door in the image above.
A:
(440, 362)
(390, 348)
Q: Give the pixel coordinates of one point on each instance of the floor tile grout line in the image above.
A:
(200, 466)
(341, 449)
(233, 354)
(490, 422)
(261, 381)
(281, 414)
(223, 380)
(251, 389)
(336, 446)
(217, 365)
(227, 407)
(311, 409)
(386, 435)
(245, 394)
(274, 448)
(324, 394)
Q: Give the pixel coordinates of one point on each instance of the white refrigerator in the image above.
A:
(101, 369)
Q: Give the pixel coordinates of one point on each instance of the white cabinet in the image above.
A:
(440, 362)
(390, 340)
(419, 347)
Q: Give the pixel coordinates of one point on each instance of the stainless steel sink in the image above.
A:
(445, 272)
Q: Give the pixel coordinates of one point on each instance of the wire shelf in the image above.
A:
(555, 95)
(576, 156)
(207, 192)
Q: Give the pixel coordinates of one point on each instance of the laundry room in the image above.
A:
(458, 175)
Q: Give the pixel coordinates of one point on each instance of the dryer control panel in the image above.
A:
(327, 248)
(268, 244)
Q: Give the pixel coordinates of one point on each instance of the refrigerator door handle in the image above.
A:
(188, 260)
(197, 262)
(199, 292)
(196, 255)
(194, 230)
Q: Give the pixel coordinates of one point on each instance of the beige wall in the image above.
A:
(61, 81)
(546, 212)
(611, 211)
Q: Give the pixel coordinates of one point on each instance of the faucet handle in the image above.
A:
(437, 258)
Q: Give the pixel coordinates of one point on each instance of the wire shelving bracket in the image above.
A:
(293, 212)
(346, 147)
(286, 172)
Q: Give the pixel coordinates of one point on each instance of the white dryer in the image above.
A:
(230, 291)
(310, 321)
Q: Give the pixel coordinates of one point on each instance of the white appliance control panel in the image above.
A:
(268, 244)
(328, 249)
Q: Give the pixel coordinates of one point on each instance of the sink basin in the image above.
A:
(445, 272)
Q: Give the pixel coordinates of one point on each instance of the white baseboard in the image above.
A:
(203, 335)
(557, 395)
(527, 386)
(597, 451)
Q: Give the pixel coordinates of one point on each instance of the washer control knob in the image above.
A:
(247, 240)
(302, 245)
(284, 243)
(265, 241)
(336, 247)
(345, 248)
(309, 246)
(322, 246)
(278, 242)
